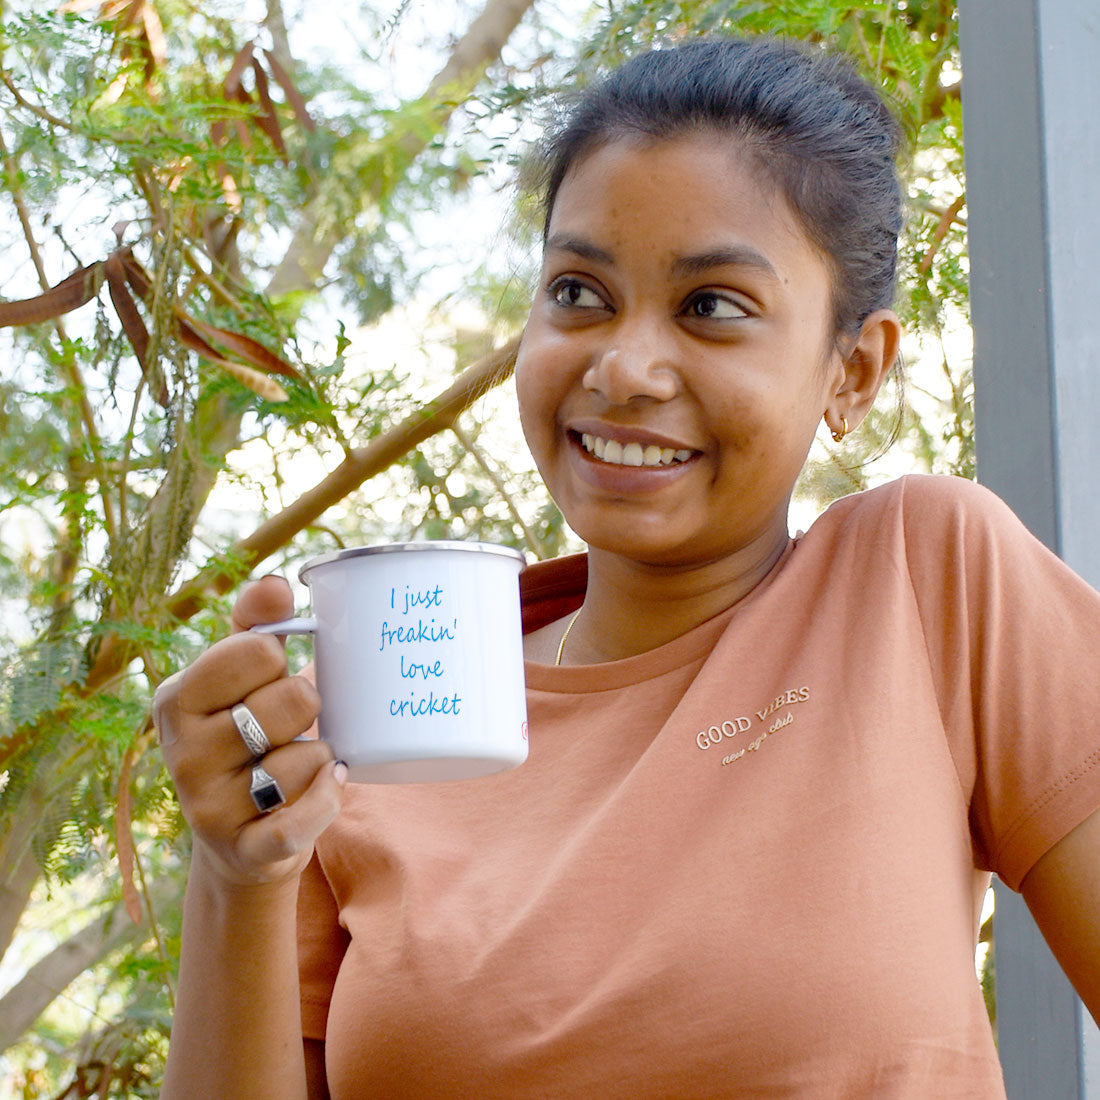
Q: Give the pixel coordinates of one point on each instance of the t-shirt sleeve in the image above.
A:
(1013, 639)
(321, 946)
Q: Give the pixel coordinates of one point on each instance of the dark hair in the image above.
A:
(813, 125)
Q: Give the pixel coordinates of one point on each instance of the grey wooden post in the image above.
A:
(1031, 108)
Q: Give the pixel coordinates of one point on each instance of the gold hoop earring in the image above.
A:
(838, 436)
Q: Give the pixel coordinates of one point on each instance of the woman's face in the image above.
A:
(679, 354)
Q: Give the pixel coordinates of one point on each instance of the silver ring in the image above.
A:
(265, 790)
(252, 733)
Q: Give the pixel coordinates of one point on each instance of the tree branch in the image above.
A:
(475, 451)
(481, 44)
(15, 889)
(41, 112)
(359, 466)
(940, 232)
(313, 243)
(48, 977)
(67, 359)
(275, 21)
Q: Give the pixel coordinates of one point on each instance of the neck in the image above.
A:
(632, 607)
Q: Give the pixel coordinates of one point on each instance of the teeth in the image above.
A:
(631, 454)
(592, 445)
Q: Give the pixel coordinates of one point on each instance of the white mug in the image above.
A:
(419, 656)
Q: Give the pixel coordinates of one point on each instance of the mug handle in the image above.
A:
(287, 626)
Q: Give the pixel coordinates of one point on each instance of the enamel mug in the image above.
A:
(419, 656)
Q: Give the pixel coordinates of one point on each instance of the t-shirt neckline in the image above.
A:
(690, 648)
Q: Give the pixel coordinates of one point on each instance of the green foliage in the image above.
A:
(114, 432)
(34, 684)
(123, 1060)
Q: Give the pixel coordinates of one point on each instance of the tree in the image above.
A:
(233, 204)
(219, 177)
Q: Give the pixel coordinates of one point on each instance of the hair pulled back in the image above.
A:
(813, 126)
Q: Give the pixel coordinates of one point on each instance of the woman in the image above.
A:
(768, 777)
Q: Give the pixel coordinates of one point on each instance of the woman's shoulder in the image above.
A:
(948, 533)
(923, 504)
(934, 491)
(936, 525)
(551, 589)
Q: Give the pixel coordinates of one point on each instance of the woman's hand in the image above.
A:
(212, 766)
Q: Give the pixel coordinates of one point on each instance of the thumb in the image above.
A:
(264, 601)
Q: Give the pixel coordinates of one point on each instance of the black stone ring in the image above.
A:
(265, 790)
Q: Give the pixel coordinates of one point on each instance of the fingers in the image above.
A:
(212, 764)
(266, 601)
(233, 670)
(277, 846)
(284, 708)
(289, 833)
(220, 802)
(230, 670)
(165, 700)
(249, 846)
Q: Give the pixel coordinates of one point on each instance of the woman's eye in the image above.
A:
(570, 292)
(714, 307)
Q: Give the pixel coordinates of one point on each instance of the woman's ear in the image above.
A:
(866, 363)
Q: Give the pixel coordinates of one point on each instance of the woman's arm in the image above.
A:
(1062, 891)
(237, 1024)
(236, 1030)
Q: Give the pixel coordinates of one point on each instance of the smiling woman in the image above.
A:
(707, 332)
(768, 777)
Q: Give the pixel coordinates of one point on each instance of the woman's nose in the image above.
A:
(635, 363)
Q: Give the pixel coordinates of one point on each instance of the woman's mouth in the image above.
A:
(615, 453)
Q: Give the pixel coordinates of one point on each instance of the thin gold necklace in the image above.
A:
(561, 644)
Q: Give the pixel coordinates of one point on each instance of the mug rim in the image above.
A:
(401, 547)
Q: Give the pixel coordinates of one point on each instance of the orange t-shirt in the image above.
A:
(744, 864)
